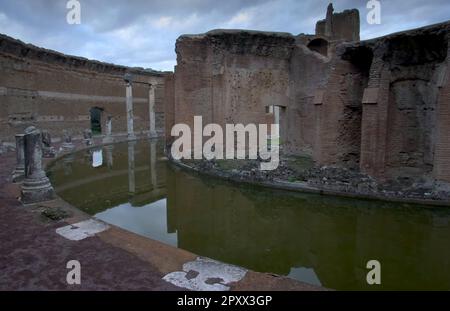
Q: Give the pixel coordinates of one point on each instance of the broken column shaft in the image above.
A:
(19, 171)
(36, 186)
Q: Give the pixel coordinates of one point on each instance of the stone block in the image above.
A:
(370, 96)
(318, 97)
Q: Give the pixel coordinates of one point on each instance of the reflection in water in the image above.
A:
(97, 158)
(67, 164)
(131, 171)
(109, 155)
(137, 220)
(317, 239)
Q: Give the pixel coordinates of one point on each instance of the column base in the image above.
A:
(36, 190)
(18, 175)
(108, 140)
(131, 137)
(68, 146)
(152, 134)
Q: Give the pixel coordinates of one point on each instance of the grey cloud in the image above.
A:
(143, 33)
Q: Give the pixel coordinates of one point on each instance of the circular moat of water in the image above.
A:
(321, 240)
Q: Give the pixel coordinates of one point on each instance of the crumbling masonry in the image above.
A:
(381, 106)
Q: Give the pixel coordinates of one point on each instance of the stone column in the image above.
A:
(151, 109)
(131, 173)
(36, 187)
(19, 171)
(108, 138)
(87, 135)
(276, 114)
(153, 174)
(47, 149)
(129, 101)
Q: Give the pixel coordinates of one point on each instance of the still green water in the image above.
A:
(321, 240)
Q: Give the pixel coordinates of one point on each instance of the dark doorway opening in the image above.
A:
(96, 120)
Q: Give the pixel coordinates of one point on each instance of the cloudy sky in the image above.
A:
(143, 32)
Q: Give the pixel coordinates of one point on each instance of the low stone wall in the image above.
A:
(325, 181)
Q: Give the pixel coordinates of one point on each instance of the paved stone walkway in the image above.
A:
(34, 257)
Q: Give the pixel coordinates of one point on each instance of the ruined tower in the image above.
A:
(339, 26)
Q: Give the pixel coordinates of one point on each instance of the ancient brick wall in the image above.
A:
(169, 106)
(231, 76)
(308, 75)
(404, 105)
(442, 132)
(380, 106)
(54, 91)
(338, 116)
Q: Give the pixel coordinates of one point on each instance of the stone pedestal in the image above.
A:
(19, 172)
(87, 135)
(36, 186)
(129, 105)
(47, 150)
(67, 144)
(108, 139)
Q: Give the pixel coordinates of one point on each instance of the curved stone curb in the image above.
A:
(304, 188)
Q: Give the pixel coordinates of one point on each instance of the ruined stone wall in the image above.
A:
(308, 74)
(338, 108)
(169, 106)
(404, 105)
(442, 144)
(231, 76)
(54, 91)
(380, 106)
(338, 117)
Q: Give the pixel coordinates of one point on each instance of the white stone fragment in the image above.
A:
(205, 274)
(82, 230)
